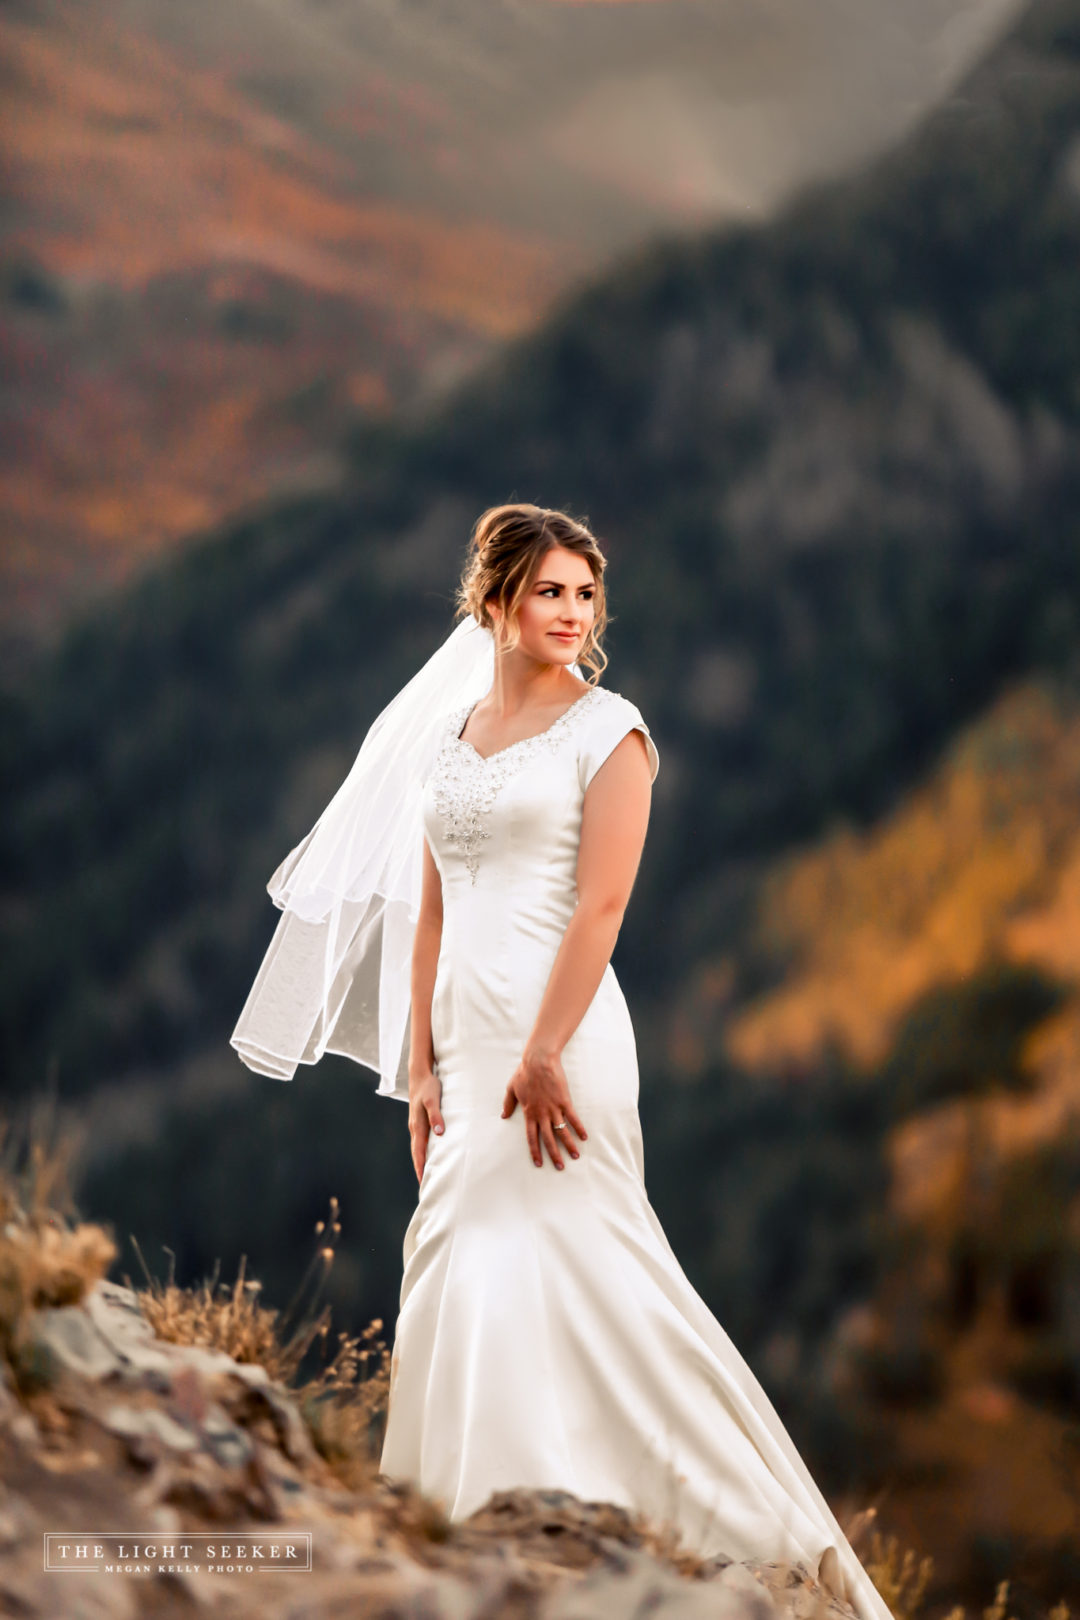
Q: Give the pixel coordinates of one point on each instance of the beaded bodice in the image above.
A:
(505, 835)
(465, 784)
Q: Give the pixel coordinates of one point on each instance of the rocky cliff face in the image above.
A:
(161, 1442)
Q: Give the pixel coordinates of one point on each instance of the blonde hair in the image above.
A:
(506, 548)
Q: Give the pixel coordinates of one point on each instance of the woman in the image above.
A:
(547, 1335)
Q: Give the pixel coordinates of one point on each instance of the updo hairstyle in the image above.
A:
(506, 548)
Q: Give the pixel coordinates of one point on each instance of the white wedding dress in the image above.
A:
(547, 1335)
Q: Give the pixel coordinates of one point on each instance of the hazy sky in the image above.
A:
(592, 116)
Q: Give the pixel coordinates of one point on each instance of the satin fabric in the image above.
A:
(547, 1335)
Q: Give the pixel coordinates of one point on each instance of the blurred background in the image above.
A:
(786, 301)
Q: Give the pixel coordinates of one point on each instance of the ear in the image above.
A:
(497, 619)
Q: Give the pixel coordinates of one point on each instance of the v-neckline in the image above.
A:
(486, 758)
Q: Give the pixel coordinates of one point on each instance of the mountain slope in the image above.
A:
(834, 464)
(297, 211)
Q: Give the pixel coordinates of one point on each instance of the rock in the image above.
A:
(557, 1527)
(25, 1430)
(188, 1398)
(644, 1587)
(68, 1339)
(257, 1377)
(228, 1442)
(228, 1449)
(115, 1314)
(16, 1522)
(742, 1578)
(292, 1431)
(147, 1423)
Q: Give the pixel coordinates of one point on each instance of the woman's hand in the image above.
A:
(539, 1084)
(425, 1116)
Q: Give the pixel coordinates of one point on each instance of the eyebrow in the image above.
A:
(590, 585)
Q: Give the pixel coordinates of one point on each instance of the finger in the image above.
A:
(435, 1118)
(563, 1137)
(419, 1132)
(547, 1131)
(572, 1117)
(533, 1135)
(509, 1101)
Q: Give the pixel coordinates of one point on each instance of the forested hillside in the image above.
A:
(835, 467)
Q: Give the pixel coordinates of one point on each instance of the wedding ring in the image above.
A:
(561, 1127)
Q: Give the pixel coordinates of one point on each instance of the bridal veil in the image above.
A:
(336, 975)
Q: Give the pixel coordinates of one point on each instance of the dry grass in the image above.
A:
(47, 1257)
(901, 1578)
(344, 1403)
(999, 1608)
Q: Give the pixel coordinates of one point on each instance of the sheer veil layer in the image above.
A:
(336, 974)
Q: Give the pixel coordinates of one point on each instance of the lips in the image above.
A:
(559, 636)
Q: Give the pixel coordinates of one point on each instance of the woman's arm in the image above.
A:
(425, 1091)
(614, 820)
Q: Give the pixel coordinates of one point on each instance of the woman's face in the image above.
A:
(557, 611)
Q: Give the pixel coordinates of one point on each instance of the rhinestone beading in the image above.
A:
(465, 784)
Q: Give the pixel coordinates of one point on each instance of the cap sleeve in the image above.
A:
(606, 730)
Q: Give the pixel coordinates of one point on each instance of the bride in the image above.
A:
(449, 921)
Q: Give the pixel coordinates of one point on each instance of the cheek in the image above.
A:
(536, 613)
